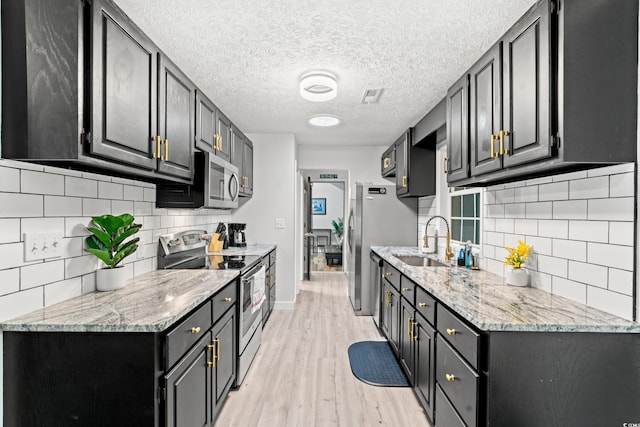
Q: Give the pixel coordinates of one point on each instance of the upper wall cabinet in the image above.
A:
(415, 166)
(540, 100)
(242, 157)
(388, 162)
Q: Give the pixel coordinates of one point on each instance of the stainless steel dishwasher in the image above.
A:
(375, 274)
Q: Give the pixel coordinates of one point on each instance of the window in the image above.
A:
(466, 210)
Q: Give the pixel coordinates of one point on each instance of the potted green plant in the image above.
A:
(337, 229)
(108, 242)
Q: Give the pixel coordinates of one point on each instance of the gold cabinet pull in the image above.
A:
(503, 150)
(446, 160)
(156, 153)
(404, 181)
(409, 320)
(217, 344)
(494, 154)
(227, 300)
(422, 304)
(387, 273)
(451, 331)
(212, 363)
(450, 377)
(406, 289)
(195, 330)
(413, 331)
(385, 163)
(166, 150)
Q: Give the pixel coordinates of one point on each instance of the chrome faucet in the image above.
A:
(448, 252)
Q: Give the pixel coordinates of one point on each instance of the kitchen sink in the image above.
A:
(420, 261)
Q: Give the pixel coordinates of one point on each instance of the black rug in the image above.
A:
(373, 362)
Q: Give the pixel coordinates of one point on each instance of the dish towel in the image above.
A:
(257, 290)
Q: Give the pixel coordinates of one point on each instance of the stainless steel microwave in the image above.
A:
(215, 185)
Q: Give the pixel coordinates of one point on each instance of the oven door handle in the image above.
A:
(248, 276)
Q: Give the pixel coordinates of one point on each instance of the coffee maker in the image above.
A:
(236, 234)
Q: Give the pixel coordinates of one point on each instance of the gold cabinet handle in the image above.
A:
(422, 304)
(406, 289)
(195, 330)
(217, 344)
(450, 377)
(451, 331)
(413, 331)
(494, 138)
(227, 300)
(404, 181)
(156, 153)
(446, 162)
(503, 150)
(409, 320)
(166, 149)
(212, 363)
(385, 162)
(387, 273)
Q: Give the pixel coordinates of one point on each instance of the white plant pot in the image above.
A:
(517, 276)
(110, 279)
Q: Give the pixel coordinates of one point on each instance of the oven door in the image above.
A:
(221, 185)
(248, 317)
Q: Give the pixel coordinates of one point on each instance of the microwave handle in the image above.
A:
(234, 187)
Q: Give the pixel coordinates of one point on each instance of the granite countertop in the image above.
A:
(259, 250)
(150, 302)
(485, 300)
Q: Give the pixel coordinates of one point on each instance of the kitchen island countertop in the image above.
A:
(150, 302)
(485, 300)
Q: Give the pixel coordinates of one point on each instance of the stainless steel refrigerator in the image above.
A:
(377, 218)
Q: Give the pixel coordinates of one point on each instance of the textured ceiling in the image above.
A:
(248, 56)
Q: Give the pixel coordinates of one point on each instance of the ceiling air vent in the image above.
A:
(371, 96)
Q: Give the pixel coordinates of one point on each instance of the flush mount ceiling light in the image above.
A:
(318, 86)
(324, 120)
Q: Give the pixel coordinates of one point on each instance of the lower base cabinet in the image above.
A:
(424, 363)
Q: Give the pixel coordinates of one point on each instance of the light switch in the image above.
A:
(279, 222)
(42, 246)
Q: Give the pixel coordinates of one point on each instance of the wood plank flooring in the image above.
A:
(301, 375)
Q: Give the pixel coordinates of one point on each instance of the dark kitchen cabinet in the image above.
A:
(390, 316)
(242, 157)
(206, 136)
(424, 373)
(223, 130)
(541, 101)
(407, 325)
(415, 167)
(388, 162)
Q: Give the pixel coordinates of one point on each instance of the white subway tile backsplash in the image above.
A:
(11, 255)
(569, 289)
(133, 193)
(570, 176)
(539, 210)
(574, 209)
(526, 226)
(150, 195)
(570, 249)
(119, 207)
(553, 228)
(95, 207)
(41, 274)
(621, 185)
(621, 281)
(553, 266)
(143, 266)
(536, 181)
(489, 224)
(80, 187)
(540, 245)
(589, 274)
(540, 280)
(495, 267)
(589, 188)
(16, 205)
(88, 283)
(76, 226)
(611, 255)
(502, 225)
(81, 265)
(515, 210)
(125, 181)
(53, 225)
(146, 208)
(616, 209)
(554, 191)
(19, 303)
(41, 183)
(611, 170)
(490, 197)
(505, 196)
(591, 231)
(167, 221)
(109, 190)
(511, 240)
(60, 291)
(495, 239)
(96, 177)
(621, 233)
(73, 247)
(9, 180)
(62, 206)
(9, 281)
(526, 194)
(611, 302)
(9, 230)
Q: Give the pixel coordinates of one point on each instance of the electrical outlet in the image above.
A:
(42, 246)
(279, 222)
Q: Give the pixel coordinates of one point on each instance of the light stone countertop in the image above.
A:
(150, 302)
(259, 250)
(485, 300)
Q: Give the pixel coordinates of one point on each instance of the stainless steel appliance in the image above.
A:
(186, 250)
(236, 234)
(377, 218)
(215, 185)
(375, 276)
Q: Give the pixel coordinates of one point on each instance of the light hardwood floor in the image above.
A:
(301, 375)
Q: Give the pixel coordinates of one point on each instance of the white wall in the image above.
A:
(334, 195)
(274, 187)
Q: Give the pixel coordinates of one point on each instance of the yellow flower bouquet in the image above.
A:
(517, 256)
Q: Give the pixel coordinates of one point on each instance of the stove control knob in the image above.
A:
(173, 243)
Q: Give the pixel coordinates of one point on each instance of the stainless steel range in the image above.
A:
(187, 250)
